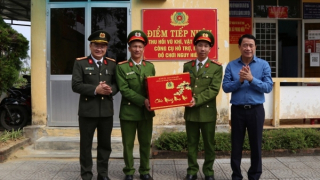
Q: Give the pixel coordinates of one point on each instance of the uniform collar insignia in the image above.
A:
(90, 61)
(105, 62)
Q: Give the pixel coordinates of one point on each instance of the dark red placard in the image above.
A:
(309, 46)
(171, 32)
(238, 27)
(277, 12)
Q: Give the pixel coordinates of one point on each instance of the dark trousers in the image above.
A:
(128, 131)
(207, 129)
(87, 127)
(241, 120)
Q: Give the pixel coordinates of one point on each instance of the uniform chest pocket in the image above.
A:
(131, 76)
(108, 72)
(207, 75)
(89, 73)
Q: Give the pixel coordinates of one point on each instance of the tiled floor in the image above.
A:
(284, 168)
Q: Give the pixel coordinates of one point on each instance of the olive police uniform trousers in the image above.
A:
(251, 119)
(207, 129)
(128, 131)
(87, 126)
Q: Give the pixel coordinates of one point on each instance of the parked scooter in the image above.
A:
(15, 109)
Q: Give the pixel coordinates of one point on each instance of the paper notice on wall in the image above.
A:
(314, 60)
(313, 34)
(317, 45)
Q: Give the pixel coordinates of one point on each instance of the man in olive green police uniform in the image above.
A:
(93, 78)
(201, 115)
(135, 114)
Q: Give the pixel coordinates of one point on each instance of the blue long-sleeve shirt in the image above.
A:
(248, 93)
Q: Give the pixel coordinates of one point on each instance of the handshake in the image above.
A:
(103, 88)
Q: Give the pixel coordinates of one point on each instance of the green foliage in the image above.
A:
(13, 47)
(11, 135)
(223, 141)
(291, 139)
(175, 141)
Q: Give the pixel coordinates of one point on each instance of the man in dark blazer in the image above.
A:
(93, 78)
(135, 114)
(201, 115)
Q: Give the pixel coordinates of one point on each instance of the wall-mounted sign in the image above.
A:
(277, 12)
(239, 27)
(317, 42)
(240, 9)
(311, 10)
(171, 32)
(314, 60)
(313, 34)
(309, 46)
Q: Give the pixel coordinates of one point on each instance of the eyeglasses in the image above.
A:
(99, 46)
(247, 45)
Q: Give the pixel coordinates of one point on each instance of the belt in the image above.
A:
(247, 106)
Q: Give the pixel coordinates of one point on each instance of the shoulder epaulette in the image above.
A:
(110, 59)
(122, 62)
(148, 61)
(216, 62)
(189, 61)
(81, 58)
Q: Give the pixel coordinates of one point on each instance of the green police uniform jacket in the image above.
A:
(85, 79)
(132, 86)
(205, 87)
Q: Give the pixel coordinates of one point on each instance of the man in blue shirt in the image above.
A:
(247, 78)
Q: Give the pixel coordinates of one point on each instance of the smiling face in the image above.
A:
(202, 48)
(247, 49)
(98, 50)
(136, 49)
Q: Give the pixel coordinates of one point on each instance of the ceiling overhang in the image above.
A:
(18, 10)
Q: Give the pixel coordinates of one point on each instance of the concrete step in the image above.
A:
(48, 147)
(69, 143)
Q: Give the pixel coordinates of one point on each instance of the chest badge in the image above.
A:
(89, 68)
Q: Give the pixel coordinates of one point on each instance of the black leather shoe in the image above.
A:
(103, 177)
(146, 177)
(191, 177)
(128, 177)
(209, 178)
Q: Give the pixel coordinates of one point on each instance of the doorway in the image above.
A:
(288, 48)
(69, 26)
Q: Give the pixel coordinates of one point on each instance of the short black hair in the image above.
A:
(249, 36)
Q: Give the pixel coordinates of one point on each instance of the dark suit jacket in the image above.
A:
(85, 78)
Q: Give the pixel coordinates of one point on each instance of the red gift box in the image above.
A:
(169, 91)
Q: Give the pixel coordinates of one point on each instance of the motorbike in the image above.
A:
(15, 109)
